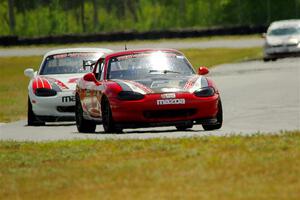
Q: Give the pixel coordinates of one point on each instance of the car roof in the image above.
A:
(135, 51)
(285, 23)
(77, 50)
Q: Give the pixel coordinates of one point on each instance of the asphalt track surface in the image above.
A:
(257, 97)
(229, 43)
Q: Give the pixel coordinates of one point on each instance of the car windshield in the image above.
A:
(68, 63)
(284, 31)
(142, 65)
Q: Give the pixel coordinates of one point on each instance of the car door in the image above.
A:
(95, 91)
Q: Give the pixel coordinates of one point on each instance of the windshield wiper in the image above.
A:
(163, 71)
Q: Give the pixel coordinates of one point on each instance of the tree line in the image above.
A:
(51, 17)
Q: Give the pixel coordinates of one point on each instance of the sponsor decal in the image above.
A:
(66, 99)
(168, 95)
(72, 55)
(170, 101)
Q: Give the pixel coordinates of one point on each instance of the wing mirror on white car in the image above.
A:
(29, 72)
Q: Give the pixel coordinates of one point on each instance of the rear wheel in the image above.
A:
(107, 119)
(32, 120)
(83, 125)
(218, 125)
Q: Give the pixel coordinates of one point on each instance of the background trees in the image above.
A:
(48, 17)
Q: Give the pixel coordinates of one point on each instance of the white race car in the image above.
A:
(51, 90)
(282, 40)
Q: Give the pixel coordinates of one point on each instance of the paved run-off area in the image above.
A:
(256, 96)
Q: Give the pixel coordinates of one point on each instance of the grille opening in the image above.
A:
(65, 108)
(169, 113)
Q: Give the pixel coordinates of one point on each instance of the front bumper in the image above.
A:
(60, 107)
(281, 51)
(146, 111)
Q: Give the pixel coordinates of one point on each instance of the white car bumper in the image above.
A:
(58, 106)
(284, 50)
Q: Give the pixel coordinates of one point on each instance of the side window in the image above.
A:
(102, 69)
(99, 69)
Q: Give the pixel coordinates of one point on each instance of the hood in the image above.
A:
(283, 40)
(63, 81)
(164, 84)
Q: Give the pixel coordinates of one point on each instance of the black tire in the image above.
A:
(83, 125)
(218, 125)
(184, 127)
(266, 59)
(107, 119)
(32, 120)
(274, 59)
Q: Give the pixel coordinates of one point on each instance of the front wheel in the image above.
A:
(218, 125)
(83, 125)
(32, 120)
(107, 119)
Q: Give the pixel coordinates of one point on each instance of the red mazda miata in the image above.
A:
(146, 88)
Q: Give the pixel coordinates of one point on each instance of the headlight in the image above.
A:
(130, 95)
(45, 92)
(205, 92)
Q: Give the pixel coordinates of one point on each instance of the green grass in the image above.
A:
(13, 86)
(239, 167)
(13, 83)
(216, 56)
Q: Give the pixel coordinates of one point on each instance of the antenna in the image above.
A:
(125, 47)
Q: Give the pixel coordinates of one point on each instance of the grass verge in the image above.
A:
(239, 167)
(13, 83)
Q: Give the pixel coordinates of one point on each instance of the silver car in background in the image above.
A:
(282, 40)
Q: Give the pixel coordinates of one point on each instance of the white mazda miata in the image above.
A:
(51, 89)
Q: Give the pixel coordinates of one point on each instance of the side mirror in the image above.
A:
(263, 35)
(88, 63)
(203, 70)
(90, 77)
(29, 72)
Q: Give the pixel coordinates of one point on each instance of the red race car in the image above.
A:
(146, 88)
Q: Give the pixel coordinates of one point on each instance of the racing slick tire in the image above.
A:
(218, 125)
(83, 125)
(32, 120)
(107, 119)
